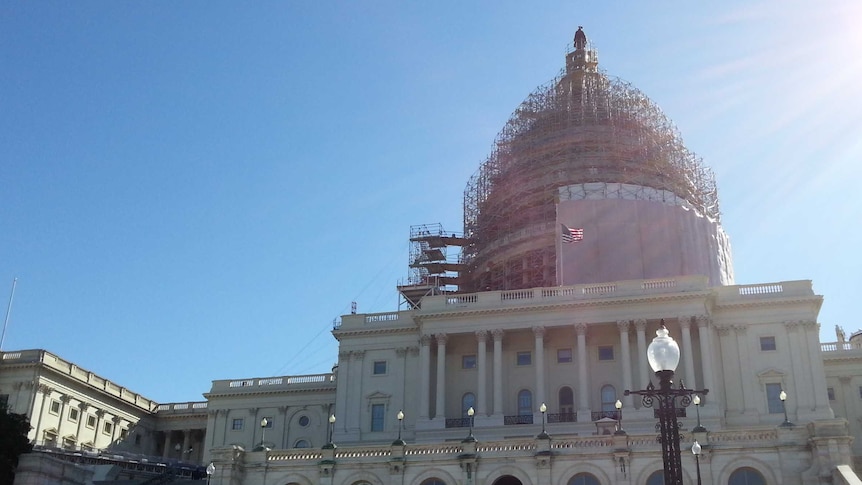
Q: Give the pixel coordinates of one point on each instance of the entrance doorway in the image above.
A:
(507, 480)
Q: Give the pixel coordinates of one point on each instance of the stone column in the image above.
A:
(623, 325)
(212, 423)
(482, 363)
(801, 390)
(64, 401)
(82, 415)
(687, 351)
(167, 445)
(354, 413)
(707, 364)
(187, 434)
(100, 421)
(424, 377)
(498, 371)
(45, 391)
(539, 336)
(116, 420)
(643, 364)
(583, 385)
(810, 332)
(282, 412)
(440, 409)
(748, 392)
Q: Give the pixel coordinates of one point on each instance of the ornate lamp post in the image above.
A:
(330, 445)
(663, 357)
(470, 437)
(698, 428)
(619, 406)
(543, 435)
(399, 441)
(695, 449)
(783, 397)
(210, 471)
(263, 425)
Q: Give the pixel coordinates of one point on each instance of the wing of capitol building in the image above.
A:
(588, 229)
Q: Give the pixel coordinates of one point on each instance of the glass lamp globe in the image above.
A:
(663, 352)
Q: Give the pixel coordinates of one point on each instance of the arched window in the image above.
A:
(584, 479)
(432, 481)
(525, 403)
(609, 398)
(567, 404)
(657, 478)
(468, 401)
(302, 444)
(746, 476)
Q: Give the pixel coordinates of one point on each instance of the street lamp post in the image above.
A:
(543, 435)
(619, 406)
(399, 441)
(210, 471)
(783, 397)
(330, 445)
(695, 449)
(663, 357)
(698, 428)
(470, 437)
(263, 424)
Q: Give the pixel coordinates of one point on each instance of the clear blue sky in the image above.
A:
(194, 190)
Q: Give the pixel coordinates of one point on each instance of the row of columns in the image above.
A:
(623, 326)
(46, 393)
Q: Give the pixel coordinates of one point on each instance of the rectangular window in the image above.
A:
(525, 358)
(468, 361)
(91, 421)
(774, 404)
(379, 367)
(830, 393)
(236, 424)
(4, 400)
(767, 343)
(73, 415)
(123, 433)
(377, 415)
(108, 428)
(55, 407)
(606, 352)
(564, 356)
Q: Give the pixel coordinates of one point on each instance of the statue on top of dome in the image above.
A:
(580, 38)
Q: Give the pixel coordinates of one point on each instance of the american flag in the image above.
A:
(572, 235)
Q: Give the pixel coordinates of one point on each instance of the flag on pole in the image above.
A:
(572, 235)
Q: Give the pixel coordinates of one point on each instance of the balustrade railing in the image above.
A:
(597, 415)
(562, 417)
(518, 419)
(458, 422)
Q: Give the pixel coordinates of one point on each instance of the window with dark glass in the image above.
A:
(468, 361)
(564, 356)
(767, 343)
(525, 358)
(584, 479)
(236, 424)
(377, 416)
(525, 403)
(468, 401)
(609, 398)
(830, 393)
(774, 404)
(746, 476)
(606, 352)
(379, 367)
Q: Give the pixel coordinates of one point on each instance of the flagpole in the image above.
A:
(8, 311)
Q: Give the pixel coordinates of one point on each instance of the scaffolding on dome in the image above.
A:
(583, 126)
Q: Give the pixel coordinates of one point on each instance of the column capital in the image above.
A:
(18, 385)
(283, 409)
(809, 325)
(46, 390)
(344, 354)
(414, 351)
(845, 379)
(791, 325)
(401, 352)
(441, 338)
(581, 328)
(740, 329)
(252, 411)
(357, 355)
(623, 325)
(65, 398)
(481, 335)
(539, 331)
(723, 330)
(640, 324)
(213, 412)
(497, 333)
(100, 413)
(684, 321)
(83, 406)
(702, 320)
(424, 340)
(116, 419)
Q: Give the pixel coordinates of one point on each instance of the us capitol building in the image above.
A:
(588, 227)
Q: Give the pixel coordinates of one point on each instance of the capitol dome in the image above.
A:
(590, 153)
